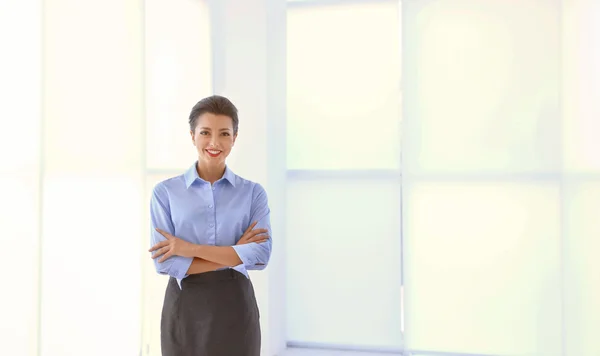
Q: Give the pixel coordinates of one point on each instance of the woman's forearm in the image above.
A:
(223, 255)
(200, 266)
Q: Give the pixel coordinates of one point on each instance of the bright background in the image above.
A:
(433, 168)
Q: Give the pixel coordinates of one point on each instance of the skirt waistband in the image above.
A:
(213, 276)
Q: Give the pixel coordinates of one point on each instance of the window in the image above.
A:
(484, 85)
(343, 262)
(343, 87)
(343, 160)
(482, 262)
(482, 183)
(90, 265)
(582, 287)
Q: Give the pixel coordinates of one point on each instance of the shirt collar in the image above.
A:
(192, 174)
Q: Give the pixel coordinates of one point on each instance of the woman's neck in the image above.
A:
(211, 173)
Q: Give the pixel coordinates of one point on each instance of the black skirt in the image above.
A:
(213, 314)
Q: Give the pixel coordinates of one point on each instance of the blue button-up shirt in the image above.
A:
(192, 209)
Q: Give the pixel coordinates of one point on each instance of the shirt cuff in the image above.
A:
(246, 253)
(180, 267)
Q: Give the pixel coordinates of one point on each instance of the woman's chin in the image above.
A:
(212, 161)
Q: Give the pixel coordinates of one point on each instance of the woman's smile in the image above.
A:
(213, 153)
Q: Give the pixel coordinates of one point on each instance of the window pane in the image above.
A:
(178, 75)
(482, 86)
(582, 290)
(19, 215)
(92, 113)
(482, 268)
(91, 264)
(581, 104)
(343, 262)
(343, 68)
(20, 84)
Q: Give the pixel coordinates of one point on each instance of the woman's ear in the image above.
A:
(234, 137)
(192, 134)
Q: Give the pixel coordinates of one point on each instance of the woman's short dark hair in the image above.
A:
(218, 105)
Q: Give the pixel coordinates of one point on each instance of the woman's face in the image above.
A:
(213, 138)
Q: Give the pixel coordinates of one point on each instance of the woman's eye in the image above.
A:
(225, 133)
(204, 133)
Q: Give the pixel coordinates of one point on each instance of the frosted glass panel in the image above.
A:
(482, 86)
(20, 84)
(343, 75)
(482, 268)
(582, 291)
(92, 111)
(19, 216)
(20, 108)
(178, 75)
(91, 265)
(343, 262)
(581, 103)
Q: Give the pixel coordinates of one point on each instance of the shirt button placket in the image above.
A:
(212, 221)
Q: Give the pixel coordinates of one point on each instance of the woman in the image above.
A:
(210, 227)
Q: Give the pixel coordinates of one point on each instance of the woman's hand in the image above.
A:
(249, 236)
(173, 246)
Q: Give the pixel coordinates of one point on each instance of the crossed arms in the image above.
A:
(178, 258)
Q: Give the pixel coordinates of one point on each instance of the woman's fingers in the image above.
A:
(248, 235)
(253, 234)
(166, 255)
(158, 245)
(262, 237)
(161, 251)
(258, 232)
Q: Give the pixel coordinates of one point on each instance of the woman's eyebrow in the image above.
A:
(209, 129)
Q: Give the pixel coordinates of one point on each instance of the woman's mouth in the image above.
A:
(213, 153)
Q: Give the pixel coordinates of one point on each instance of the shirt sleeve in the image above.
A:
(256, 256)
(160, 217)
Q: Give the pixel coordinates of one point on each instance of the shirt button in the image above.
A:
(211, 225)
(210, 206)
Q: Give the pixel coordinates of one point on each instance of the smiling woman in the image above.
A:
(213, 127)
(210, 227)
